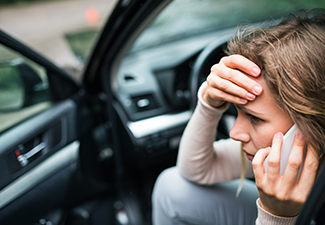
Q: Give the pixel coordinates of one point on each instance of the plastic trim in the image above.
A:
(153, 125)
(62, 158)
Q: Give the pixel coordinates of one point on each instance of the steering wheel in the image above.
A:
(210, 55)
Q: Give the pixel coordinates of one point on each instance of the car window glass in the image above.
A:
(186, 18)
(24, 88)
(64, 31)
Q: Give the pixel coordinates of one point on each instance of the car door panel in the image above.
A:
(44, 178)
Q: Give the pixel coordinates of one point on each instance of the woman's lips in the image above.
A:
(249, 156)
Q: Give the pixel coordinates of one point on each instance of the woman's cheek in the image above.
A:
(262, 141)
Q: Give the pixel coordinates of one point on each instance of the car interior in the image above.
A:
(90, 153)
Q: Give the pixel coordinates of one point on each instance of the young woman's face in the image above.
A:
(258, 121)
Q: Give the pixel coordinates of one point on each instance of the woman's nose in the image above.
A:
(239, 131)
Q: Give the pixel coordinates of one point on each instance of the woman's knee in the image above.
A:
(163, 197)
(175, 198)
(173, 193)
(167, 184)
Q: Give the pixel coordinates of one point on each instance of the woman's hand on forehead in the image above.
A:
(241, 63)
(232, 80)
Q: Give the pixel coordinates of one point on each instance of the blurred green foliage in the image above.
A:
(9, 78)
(81, 42)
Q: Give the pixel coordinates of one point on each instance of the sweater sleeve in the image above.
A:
(202, 159)
(266, 218)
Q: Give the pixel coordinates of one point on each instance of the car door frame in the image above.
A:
(45, 181)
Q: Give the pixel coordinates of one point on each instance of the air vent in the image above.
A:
(129, 77)
(145, 102)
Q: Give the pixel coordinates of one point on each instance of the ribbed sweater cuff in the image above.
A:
(266, 218)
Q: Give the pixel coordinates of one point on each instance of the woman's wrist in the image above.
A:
(266, 217)
(215, 103)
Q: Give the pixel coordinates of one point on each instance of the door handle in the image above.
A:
(23, 159)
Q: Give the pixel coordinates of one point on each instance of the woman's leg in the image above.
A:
(175, 200)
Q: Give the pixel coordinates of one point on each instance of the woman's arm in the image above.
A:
(200, 158)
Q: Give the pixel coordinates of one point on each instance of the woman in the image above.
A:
(276, 78)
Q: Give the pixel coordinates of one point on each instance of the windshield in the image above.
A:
(64, 31)
(185, 18)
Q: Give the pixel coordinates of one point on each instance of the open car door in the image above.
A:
(39, 146)
(56, 136)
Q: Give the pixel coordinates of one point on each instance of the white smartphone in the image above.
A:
(285, 151)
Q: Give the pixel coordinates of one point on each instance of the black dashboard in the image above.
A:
(153, 91)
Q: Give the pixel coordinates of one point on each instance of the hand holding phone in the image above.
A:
(285, 151)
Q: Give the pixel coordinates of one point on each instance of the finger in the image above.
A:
(229, 87)
(213, 95)
(241, 63)
(309, 170)
(295, 160)
(238, 77)
(257, 163)
(273, 165)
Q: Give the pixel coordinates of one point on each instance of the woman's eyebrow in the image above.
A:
(249, 111)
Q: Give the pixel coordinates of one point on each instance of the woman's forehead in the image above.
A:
(265, 103)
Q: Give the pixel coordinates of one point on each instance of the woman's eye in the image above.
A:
(253, 119)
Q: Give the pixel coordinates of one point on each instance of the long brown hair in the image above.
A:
(291, 56)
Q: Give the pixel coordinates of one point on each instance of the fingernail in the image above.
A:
(255, 70)
(279, 135)
(250, 96)
(300, 135)
(257, 89)
(244, 101)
